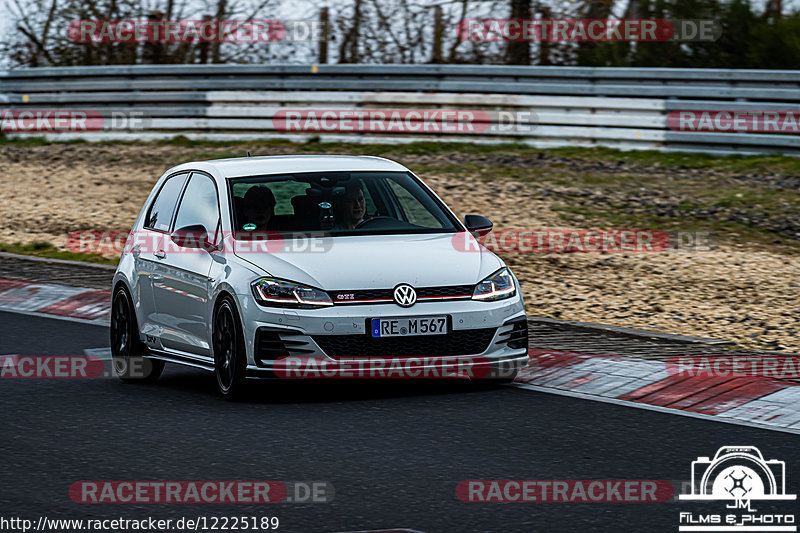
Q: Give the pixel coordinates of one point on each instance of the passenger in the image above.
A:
(258, 206)
(350, 207)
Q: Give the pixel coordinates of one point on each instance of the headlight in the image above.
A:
(282, 293)
(498, 286)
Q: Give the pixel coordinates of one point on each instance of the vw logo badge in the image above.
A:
(405, 295)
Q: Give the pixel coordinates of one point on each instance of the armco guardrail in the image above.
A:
(562, 106)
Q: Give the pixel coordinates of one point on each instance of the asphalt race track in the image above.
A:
(394, 453)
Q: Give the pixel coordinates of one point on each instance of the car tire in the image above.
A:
(230, 359)
(126, 347)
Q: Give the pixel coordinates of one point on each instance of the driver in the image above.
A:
(350, 207)
(258, 206)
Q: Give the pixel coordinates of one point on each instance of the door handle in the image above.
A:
(157, 279)
(161, 254)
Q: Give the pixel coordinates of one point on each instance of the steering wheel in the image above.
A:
(369, 220)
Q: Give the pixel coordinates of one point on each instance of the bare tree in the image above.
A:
(35, 27)
(519, 52)
(348, 47)
(38, 34)
(594, 9)
(774, 9)
(359, 31)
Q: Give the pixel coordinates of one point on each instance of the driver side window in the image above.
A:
(159, 216)
(199, 205)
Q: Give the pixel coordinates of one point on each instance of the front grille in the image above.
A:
(274, 343)
(361, 295)
(364, 296)
(459, 342)
(455, 290)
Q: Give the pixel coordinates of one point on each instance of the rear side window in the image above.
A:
(160, 213)
(199, 204)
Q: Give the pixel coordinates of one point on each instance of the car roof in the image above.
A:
(283, 164)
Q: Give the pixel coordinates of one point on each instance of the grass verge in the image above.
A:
(48, 251)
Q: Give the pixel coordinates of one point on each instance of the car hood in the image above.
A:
(378, 262)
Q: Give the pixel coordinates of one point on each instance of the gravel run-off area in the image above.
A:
(745, 292)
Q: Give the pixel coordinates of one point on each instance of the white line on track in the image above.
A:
(104, 354)
(657, 408)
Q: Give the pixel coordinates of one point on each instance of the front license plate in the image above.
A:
(402, 327)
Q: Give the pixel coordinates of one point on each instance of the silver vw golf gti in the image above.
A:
(311, 266)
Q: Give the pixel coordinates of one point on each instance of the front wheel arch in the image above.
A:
(228, 346)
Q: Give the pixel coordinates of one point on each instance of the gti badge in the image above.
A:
(405, 295)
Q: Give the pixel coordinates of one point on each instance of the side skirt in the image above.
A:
(180, 359)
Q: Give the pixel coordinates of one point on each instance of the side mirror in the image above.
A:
(478, 225)
(195, 236)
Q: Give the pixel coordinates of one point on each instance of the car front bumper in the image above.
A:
(296, 343)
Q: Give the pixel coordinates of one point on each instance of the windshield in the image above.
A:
(336, 203)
